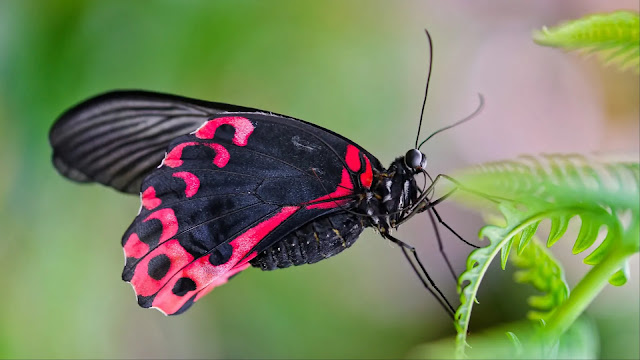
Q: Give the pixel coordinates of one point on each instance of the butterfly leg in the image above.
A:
(440, 245)
(439, 296)
(431, 208)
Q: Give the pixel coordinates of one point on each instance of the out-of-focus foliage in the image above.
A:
(519, 341)
(540, 269)
(615, 37)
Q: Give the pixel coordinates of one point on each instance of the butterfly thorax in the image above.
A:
(393, 192)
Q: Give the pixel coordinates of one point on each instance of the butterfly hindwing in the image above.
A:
(229, 190)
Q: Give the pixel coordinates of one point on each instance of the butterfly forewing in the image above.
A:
(119, 137)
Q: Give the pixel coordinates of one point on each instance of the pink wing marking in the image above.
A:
(192, 182)
(345, 188)
(169, 223)
(353, 158)
(242, 265)
(143, 283)
(366, 178)
(149, 199)
(243, 127)
(134, 247)
(174, 157)
(201, 273)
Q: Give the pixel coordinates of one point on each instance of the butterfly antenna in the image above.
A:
(475, 112)
(426, 90)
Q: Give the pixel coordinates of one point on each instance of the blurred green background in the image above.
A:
(356, 67)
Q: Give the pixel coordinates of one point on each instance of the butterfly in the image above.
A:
(226, 187)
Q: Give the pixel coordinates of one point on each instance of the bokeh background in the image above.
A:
(356, 67)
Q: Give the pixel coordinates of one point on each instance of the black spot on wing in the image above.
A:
(221, 254)
(129, 263)
(159, 266)
(183, 286)
(225, 133)
(146, 301)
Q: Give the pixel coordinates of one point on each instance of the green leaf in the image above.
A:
(526, 236)
(588, 234)
(477, 265)
(559, 225)
(556, 187)
(614, 37)
(540, 269)
(601, 251)
(516, 342)
(504, 254)
(620, 277)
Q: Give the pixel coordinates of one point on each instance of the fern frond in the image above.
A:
(544, 273)
(614, 36)
(559, 188)
(477, 265)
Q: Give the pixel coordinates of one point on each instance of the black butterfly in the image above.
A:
(226, 187)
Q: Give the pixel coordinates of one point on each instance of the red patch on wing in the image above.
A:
(243, 127)
(178, 258)
(242, 265)
(353, 158)
(345, 188)
(149, 199)
(174, 157)
(134, 247)
(366, 178)
(192, 182)
(169, 223)
(205, 276)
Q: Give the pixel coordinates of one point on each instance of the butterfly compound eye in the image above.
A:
(414, 159)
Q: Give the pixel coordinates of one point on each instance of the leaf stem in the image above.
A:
(583, 294)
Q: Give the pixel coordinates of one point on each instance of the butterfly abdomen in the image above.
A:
(318, 240)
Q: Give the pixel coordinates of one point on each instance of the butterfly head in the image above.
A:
(415, 160)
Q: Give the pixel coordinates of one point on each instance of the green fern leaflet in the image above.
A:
(615, 37)
(544, 273)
